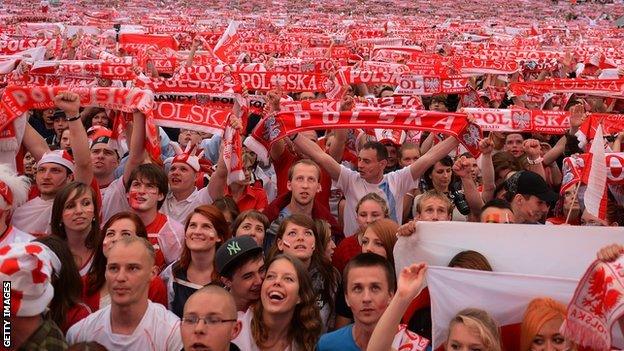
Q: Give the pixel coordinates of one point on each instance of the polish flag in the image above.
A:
(228, 43)
(596, 193)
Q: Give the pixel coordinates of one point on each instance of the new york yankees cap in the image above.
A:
(233, 250)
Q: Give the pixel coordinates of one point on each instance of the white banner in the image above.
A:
(558, 251)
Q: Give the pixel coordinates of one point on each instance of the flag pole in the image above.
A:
(578, 185)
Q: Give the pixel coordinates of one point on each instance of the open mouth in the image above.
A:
(276, 296)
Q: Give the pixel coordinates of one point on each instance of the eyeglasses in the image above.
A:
(208, 320)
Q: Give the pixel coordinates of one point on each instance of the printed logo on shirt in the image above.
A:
(233, 248)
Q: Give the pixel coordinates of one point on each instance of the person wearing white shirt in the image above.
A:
(131, 321)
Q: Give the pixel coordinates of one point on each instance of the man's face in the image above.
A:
(47, 116)
(246, 282)
(60, 124)
(215, 337)
(513, 144)
(306, 95)
(409, 156)
(438, 106)
(104, 160)
(144, 195)
(532, 209)
(392, 156)
(433, 209)
(129, 270)
(187, 136)
(51, 177)
(369, 166)
(497, 215)
(181, 177)
(367, 294)
(304, 184)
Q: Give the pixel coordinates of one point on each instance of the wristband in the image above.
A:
(293, 137)
(537, 161)
(70, 119)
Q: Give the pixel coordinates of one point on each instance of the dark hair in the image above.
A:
(304, 161)
(56, 219)
(504, 160)
(380, 149)
(497, 203)
(253, 214)
(214, 215)
(240, 261)
(446, 161)
(305, 326)
(227, 203)
(96, 278)
(370, 259)
(88, 121)
(470, 259)
(318, 261)
(66, 283)
(153, 174)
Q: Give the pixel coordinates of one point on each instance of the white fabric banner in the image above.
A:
(558, 251)
(504, 295)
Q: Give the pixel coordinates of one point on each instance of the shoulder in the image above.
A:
(87, 325)
(175, 225)
(161, 315)
(341, 335)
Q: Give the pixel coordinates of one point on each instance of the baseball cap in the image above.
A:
(531, 183)
(234, 250)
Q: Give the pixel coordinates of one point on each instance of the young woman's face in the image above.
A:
(461, 338)
(201, 234)
(100, 119)
(65, 142)
(78, 212)
(368, 212)
(548, 337)
(119, 229)
(280, 288)
(372, 243)
(253, 228)
(441, 176)
(297, 241)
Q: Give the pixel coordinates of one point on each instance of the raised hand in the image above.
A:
(407, 229)
(532, 148)
(347, 103)
(577, 116)
(68, 102)
(462, 167)
(411, 279)
(486, 146)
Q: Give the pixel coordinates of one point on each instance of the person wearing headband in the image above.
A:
(54, 169)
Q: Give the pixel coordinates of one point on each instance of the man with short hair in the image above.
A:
(131, 321)
(54, 169)
(434, 206)
(240, 263)
(530, 197)
(216, 307)
(372, 160)
(497, 211)
(514, 144)
(369, 285)
(303, 187)
(104, 157)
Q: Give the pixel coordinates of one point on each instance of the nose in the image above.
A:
(200, 326)
(366, 297)
(121, 275)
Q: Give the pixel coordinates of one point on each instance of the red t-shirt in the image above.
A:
(253, 198)
(75, 315)
(152, 235)
(346, 250)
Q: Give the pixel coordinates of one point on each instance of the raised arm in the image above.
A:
(136, 154)
(532, 148)
(486, 146)
(34, 143)
(70, 104)
(432, 156)
(462, 169)
(315, 152)
(410, 284)
(336, 149)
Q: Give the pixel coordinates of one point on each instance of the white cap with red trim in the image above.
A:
(61, 157)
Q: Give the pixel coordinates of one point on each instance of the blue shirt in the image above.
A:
(339, 340)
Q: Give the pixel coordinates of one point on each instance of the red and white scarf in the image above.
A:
(608, 87)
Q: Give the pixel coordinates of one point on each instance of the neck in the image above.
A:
(242, 304)
(105, 180)
(202, 260)
(125, 319)
(26, 327)
(183, 194)
(147, 216)
(296, 207)
(376, 179)
(76, 239)
(278, 325)
(518, 216)
(362, 334)
(47, 196)
(441, 188)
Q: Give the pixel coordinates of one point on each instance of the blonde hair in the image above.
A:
(480, 323)
(538, 312)
(376, 198)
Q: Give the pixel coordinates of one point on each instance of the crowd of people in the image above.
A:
(175, 178)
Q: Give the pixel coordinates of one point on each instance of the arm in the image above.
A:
(314, 151)
(532, 149)
(427, 143)
(556, 177)
(432, 156)
(617, 144)
(553, 154)
(487, 169)
(189, 60)
(336, 149)
(34, 143)
(462, 169)
(218, 180)
(70, 104)
(409, 286)
(136, 154)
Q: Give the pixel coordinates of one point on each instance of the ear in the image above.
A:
(154, 272)
(384, 163)
(288, 186)
(280, 245)
(320, 187)
(236, 330)
(161, 197)
(70, 178)
(226, 282)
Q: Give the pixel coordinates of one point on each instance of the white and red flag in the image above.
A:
(225, 49)
(596, 194)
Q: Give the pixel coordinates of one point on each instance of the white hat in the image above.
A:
(61, 157)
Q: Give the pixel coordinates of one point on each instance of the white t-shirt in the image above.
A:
(245, 340)
(114, 199)
(396, 183)
(14, 235)
(34, 216)
(158, 330)
(180, 209)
